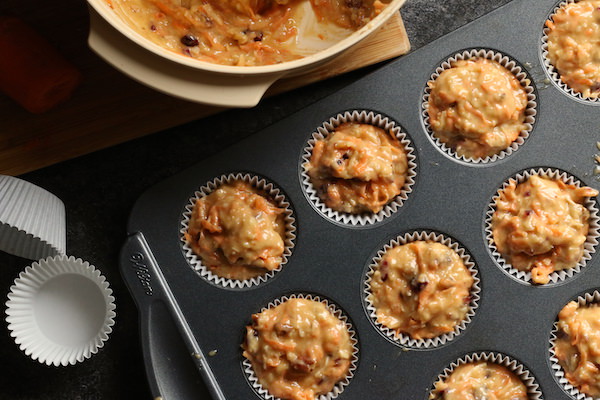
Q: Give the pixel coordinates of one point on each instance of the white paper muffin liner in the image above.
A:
(364, 117)
(589, 246)
(274, 193)
(513, 67)
(32, 220)
(533, 389)
(403, 339)
(60, 310)
(339, 314)
(553, 72)
(559, 374)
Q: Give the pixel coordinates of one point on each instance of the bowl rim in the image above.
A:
(109, 15)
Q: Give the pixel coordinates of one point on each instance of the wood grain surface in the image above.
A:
(109, 108)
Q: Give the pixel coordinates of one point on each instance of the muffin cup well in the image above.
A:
(60, 310)
(559, 374)
(513, 67)
(533, 389)
(363, 117)
(339, 314)
(405, 340)
(589, 246)
(550, 70)
(32, 220)
(257, 182)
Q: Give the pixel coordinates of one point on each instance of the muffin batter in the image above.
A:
(421, 289)
(237, 231)
(239, 32)
(574, 46)
(358, 168)
(578, 346)
(480, 380)
(477, 107)
(298, 350)
(541, 225)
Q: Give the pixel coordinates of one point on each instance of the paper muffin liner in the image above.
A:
(403, 339)
(589, 246)
(559, 374)
(553, 72)
(513, 67)
(339, 314)
(32, 220)
(364, 117)
(60, 310)
(533, 389)
(259, 183)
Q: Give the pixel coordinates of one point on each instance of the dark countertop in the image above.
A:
(99, 190)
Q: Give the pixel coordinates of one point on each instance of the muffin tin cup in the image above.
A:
(405, 340)
(533, 389)
(341, 385)
(559, 374)
(589, 246)
(549, 67)
(513, 67)
(363, 117)
(60, 311)
(32, 220)
(259, 183)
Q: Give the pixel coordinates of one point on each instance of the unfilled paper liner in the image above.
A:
(363, 117)
(274, 193)
(533, 389)
(54, 313)
(403, 339)
(590, 243)
(512, 67)
(551, 71)
(559, 373)
(341, 385)
(32, 220)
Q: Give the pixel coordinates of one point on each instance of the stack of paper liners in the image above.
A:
(60, 309)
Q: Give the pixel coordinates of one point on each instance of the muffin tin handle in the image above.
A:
(171, 78)
(162, 323)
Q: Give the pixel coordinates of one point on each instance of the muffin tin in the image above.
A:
(329, 260)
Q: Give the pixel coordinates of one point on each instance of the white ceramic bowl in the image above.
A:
(196, 80)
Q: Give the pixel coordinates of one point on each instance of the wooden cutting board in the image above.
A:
(109, 108)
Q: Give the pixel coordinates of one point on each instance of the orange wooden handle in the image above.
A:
(32, 72)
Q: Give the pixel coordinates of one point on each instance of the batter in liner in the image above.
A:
(480, 380)
(477, 107)
(574, 46)
(237, 231)
(421, 289)
(358, 168)
(298, 350)
(541, 225)
(578, 346)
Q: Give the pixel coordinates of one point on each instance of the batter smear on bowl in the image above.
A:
(237, 231)
(541, 225)
(298, 349)
(577, 346)
(358, 168)
(480, 380)
(477, 108)
(421, 289)
(574, 46)
(240, 32)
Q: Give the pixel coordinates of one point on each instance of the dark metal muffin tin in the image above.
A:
(329, 260)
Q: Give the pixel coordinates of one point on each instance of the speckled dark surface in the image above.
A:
(99, 190)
